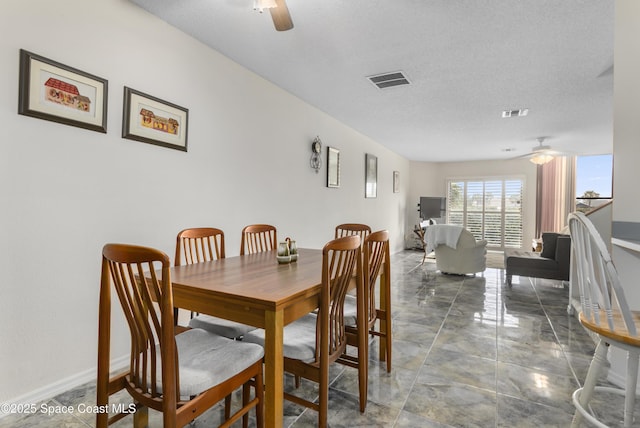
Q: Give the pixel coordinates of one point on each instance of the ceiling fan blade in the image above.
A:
(542, 150)
(526, 155)
(554, 153)
(281, 17)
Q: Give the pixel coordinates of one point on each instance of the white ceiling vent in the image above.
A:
(515, 113)
(388, 80)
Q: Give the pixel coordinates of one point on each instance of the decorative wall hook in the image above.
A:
(316, 158)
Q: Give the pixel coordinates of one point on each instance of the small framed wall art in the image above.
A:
(396, 181)
(370, 176)
(53, 91)
(333, 167)
(151, 120)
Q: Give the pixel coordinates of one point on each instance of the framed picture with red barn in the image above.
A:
(53, 91)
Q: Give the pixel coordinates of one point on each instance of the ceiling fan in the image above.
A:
(279, 13)
(541, 153)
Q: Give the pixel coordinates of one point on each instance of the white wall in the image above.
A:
(626, 130)
(601, 219)
(66, 191)
(430, 179)
(626, 153)
(423, 181)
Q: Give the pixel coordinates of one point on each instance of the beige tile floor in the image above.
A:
(467, 352)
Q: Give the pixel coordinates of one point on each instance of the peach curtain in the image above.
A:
(555, 194)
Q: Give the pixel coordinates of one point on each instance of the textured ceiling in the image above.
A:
(467, 61)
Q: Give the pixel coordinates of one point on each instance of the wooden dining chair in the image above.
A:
(257, 238)
(375, 258)
(198, 245)
(604, 312)
(313, 342)
(348, 229)
(180, 375)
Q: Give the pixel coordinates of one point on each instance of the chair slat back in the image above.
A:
(200, 244)
(597, 277)
(349, 229)
(257, 238)
(147, 302)
(341, 258)
(376, 253)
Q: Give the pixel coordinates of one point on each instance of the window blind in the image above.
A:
(491, 209)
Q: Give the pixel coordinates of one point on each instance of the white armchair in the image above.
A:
(461, 255)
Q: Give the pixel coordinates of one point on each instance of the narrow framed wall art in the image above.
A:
(370, 176)
(333, 167)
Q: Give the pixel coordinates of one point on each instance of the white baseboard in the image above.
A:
(47, 392)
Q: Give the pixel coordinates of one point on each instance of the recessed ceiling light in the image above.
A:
(515, 113)
(509, 149)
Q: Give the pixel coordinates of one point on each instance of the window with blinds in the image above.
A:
(490, 209)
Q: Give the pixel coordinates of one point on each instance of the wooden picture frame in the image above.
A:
(59, 93)
(333, 167)
(151, 120)
(370, 176)
(396, 181)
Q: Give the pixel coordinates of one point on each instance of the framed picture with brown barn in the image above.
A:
(53, 91)
(151, 120)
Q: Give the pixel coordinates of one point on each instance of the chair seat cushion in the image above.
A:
(220, 326)
(516, 258)
(350, 310)
(299, 338)
(206, 360)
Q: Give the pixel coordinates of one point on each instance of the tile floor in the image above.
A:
(467, 352)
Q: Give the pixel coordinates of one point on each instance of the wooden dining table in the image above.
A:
(254, 289)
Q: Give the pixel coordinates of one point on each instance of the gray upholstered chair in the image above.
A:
(313, 342)
(348, 229)
(198, 245)
(456, 249)
(375, 259)
(257, 238)
(552, 263)
(179, 375)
